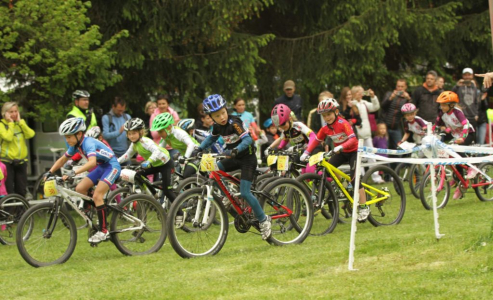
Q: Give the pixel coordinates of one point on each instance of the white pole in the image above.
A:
(489, 132)
(355, 208)
(433, 192)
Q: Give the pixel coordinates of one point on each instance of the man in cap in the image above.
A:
(294, 102)
(470, 98)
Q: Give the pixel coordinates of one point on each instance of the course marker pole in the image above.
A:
(355, 207)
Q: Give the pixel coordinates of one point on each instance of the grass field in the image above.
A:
(398, 262)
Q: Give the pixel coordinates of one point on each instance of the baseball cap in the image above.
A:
(288, 85)
(467, 70)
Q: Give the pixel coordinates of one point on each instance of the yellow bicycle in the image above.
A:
(385, 195)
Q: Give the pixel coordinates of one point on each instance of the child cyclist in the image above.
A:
(240, 146)
(345, 146)
(157, 159)
(100, 159)
(452, 120)
(177, 139)
(412, 123)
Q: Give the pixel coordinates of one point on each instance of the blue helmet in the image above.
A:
(213, 103)
(72, 126)
(268, 123)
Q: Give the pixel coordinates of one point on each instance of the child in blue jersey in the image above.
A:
(240, 146)
(102, 162)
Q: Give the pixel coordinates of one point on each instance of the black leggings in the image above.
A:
(16, 181)
(165, 171)
(346, 157)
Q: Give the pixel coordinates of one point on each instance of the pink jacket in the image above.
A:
(3, 178)
(155, 135)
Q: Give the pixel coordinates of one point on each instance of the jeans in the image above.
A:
(395, 136)
(481, 133)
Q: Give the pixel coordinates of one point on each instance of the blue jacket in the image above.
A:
(111, 132)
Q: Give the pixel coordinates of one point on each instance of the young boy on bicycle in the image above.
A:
(240, 148)
(157, 159)
(102, 162)
(345, 146)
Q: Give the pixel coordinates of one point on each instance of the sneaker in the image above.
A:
(471, 173)
(265, 228)
(363, 213)
(99, 237)
(457, 193)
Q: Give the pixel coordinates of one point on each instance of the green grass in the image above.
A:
(397, 262)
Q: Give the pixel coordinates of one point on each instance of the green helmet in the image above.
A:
(162, 121)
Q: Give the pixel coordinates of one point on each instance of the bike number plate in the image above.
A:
(315, 159)
(283, 163)
(50, 188)
(271, 159)
(208, 163)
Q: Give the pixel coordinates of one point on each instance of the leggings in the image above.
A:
(165, 171)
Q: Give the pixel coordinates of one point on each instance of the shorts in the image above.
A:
(107, 172)
(247, 164)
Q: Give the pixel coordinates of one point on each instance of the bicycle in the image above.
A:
(11, 209)
(46, 233)
(285, 201)
(389, 197)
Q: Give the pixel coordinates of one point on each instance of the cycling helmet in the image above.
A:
(280, 114)
(326, 105)
(448, 97)
(268, 123)
(80, 94)
(72, 126)
(213, 103)
(134, 124)
(408, 108)
(94, 132)
(186, 124)
(162, 121)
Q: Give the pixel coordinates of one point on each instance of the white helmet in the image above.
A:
(72, 126)
(134, 124)
(80, 94)
(94, 132)
(186, 124)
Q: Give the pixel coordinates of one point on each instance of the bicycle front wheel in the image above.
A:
(138, 225)
(484, 191)
(44, 239)
(416, 173)
(196, 235)
(442, 190)
(289, 205)
(387, 194)
(11, 209)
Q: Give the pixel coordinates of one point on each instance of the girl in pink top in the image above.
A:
(162, 107)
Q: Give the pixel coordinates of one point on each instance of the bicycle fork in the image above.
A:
(196, 219)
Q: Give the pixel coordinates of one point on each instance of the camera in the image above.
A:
(399, 93)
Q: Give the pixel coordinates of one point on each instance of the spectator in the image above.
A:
(81, 108)
(149, 110)
(3, 179)
(469, 97)
(294, 102)
(163, 102)
(482, 118)
(425, 96)
(113, 130)
(315, 121)
(13, 135)
(440, 82)
(246, 117)
(392, 104)
(349, 111)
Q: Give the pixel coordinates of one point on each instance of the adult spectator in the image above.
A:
(81, 108)
(469, 97)
(113, 131)
(440, 82)
(349, 111)
(149, 110)
(13, 135)
(163, 102)
(392, 104)
(425, 96)
(239, 110)
(315, 121)
(294, 102)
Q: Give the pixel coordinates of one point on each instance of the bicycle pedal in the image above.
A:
(363, 221)
(94, 245)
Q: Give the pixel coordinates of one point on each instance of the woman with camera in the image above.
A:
(392, 117)
(14, 132)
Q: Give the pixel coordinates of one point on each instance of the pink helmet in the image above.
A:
(408, 108)
(280, 114)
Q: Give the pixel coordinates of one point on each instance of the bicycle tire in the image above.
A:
(402, 171)
(138, 241)
(415, 178)
(325, 218)
(57, 248)
(13, 206)
(294, 228)
(391, 210)
(198, 240)
(426, 196)
(190, 182)
(484, 193)
(261, 179)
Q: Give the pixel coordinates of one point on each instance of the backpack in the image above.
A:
(110, 119)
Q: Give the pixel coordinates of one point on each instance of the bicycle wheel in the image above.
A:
(138, 225)
(190, 183)
(39, 248)
(115, 197)
(196, 238)
(281, 197)
(416, 173)
(326, 214)
(484, 192)
(390, 209)
(403, 171)
(262, 179)
(442, 190)
(38, 188)
(11, 209)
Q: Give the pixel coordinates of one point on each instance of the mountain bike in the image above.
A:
(12, 207)
(47, 235)
(285, 201)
